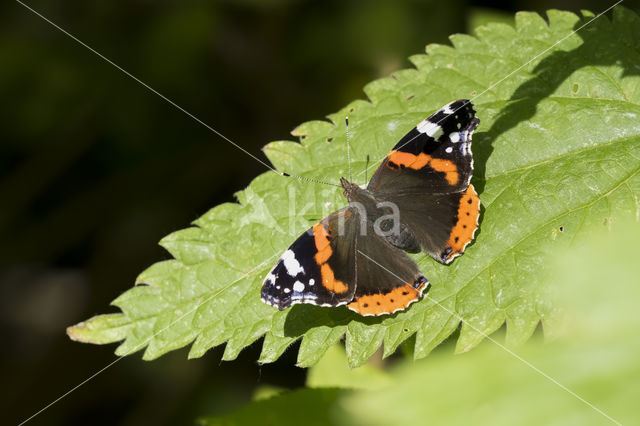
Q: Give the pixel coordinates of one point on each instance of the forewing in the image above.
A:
(318, 268)
(435, 156)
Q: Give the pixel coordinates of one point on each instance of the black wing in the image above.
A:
(442, 224)
(427, 177)
(337, 262)
(435, 156)
(387, 280)
(318, 268)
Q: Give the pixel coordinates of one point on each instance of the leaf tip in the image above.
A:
(80, 333)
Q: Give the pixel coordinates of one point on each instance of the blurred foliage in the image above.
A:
(309, 406)
(94, 168)
(332, 371)
(482, 17)
(595, 356)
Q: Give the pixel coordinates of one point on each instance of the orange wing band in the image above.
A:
(329, 281)
(421, 160)
(321, 236)
(379, 304)
(468, 213)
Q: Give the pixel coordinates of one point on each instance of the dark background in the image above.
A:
(95, 169)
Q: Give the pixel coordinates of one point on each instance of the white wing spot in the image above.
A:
(449, 150)
(428, 127)
(454, 137)
(447, 109)
(287, 290)
(298, 287)
(312, 281)
(291, 263)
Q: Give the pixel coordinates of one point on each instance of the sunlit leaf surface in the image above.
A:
(557, 153)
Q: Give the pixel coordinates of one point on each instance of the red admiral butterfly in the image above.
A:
(356, 255)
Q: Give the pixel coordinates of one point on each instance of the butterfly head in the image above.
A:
(350, 189)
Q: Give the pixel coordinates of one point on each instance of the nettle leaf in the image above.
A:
(557, 153)
(596, 356)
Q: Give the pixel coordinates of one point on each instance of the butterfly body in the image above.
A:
(364, 204)
(419, 199)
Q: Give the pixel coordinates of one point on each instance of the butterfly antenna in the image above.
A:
(308, 179)
(346, 122)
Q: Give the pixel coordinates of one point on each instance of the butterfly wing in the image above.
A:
(387, 280)
(318, 268)
(427, 177)
(435, 156)
(442, 224)
(339, 261)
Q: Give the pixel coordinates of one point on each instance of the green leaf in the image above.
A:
(332, 372)
(595, 357)
(557, 154)
(286, 409)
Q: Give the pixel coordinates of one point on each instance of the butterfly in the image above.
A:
(419, 199)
